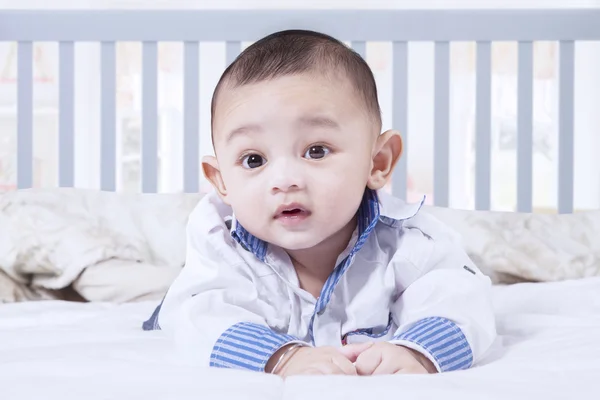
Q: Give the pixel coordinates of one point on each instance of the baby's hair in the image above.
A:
(298, 51)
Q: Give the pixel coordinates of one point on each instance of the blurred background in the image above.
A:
(420, 110)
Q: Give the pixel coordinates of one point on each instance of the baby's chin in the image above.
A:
(294, 241)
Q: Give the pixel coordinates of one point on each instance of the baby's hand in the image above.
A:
(386, 358)
(318, 361)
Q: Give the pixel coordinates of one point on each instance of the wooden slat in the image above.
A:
(232, 50)
(108, 135)
(149, 117)
(400, 115)
(250, 25)
(25, 115)
(525, 128)
(191, 122)
(361, 48)
(441, 147)
(565, 127)
(483, 142)
(66, 119)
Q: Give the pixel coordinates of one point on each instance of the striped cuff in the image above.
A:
(247, 346)
(441, 340)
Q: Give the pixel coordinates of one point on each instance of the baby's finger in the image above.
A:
(367, 362)
(352, 351)
(344, 365)
(412, 369)
(329, 368)
(388, 366)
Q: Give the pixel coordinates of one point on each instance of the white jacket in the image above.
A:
(404, 278)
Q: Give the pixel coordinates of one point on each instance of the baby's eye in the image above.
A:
(253, 161)
(316, 152)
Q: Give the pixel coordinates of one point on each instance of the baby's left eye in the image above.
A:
(316, 152)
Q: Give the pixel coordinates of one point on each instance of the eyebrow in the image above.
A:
(318, 121)
(311, 121)
(243, 130)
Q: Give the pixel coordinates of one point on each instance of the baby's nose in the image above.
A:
(287, 176)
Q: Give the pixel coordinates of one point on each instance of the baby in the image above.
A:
(298, 263)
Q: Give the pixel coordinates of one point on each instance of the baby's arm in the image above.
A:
(213, 310)
(223, 325)
(446, 313)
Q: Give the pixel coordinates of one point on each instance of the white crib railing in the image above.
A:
(359, 27)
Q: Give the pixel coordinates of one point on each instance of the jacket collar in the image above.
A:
(374, 207)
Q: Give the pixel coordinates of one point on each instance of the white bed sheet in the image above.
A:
(549, 348)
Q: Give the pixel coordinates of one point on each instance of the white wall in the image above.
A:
(587, 125)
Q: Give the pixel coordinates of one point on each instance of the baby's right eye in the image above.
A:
(252, 161)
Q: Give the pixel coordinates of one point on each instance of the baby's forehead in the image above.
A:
(337, 84)
(297, 94)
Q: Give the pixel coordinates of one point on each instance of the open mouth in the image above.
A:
(292, 211)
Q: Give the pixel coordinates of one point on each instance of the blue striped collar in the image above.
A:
(369, 211)
(248, 241)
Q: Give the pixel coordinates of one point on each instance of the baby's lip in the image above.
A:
(290, 210)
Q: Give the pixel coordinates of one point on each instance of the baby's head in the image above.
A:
(296, 129)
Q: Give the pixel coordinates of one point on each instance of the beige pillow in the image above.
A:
(121, 281)
(528, 247)
(13, 291)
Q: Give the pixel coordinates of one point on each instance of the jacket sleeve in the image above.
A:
(213, 310)
(445, 312)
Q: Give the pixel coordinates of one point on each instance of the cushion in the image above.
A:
(527, 246)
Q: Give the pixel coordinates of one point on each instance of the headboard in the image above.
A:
(358, 27)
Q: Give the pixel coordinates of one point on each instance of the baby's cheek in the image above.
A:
(341, 206)
(342, 196)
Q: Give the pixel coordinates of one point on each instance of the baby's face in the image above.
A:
(294, 155)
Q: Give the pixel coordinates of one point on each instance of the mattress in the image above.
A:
(549, 347)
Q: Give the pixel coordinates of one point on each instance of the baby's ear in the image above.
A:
(386, 153)
(210, 168)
